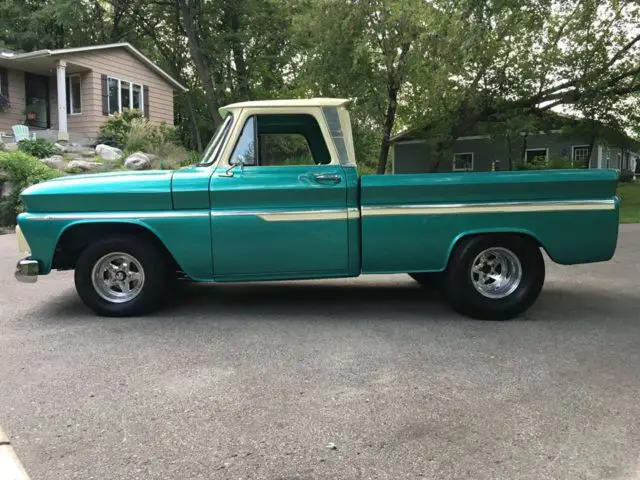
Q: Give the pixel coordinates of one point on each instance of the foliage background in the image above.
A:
(444, 64)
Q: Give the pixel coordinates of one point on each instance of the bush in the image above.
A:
(541, 163)
(115, 132)
(39, 148)
(626, 176)
(20, 170)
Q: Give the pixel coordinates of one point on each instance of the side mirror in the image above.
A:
(229, 171)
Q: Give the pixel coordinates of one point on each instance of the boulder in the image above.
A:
(111, 154)
(138, 161)
(83, 165)
(11, 147)
(56, 162)
(87, 153)
(61, 148)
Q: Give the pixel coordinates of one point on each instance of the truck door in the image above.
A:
(281, 211)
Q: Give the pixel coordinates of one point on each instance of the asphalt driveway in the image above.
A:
(357, 379)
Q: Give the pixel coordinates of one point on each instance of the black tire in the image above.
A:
(431, 280)
(466, 299)
(151, 259)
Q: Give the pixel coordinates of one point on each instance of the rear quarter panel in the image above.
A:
(411, 223)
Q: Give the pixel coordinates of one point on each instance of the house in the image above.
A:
(68, 94)
(572, 141)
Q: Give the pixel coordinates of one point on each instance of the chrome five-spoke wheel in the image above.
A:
(496, 272)
(118, 277)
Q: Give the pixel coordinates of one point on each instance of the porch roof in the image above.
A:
(44, 61)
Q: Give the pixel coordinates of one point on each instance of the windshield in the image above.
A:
(212, 151)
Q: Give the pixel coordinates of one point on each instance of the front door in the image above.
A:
(281, 212)
(37, 100)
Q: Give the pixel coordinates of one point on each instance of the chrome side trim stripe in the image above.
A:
(286, 215)
(117, 215)
(506, 207)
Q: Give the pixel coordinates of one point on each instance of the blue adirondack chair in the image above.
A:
(21, 132)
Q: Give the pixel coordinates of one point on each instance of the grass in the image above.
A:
(629, 194)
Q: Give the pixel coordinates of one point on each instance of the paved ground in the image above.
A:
(253, 382)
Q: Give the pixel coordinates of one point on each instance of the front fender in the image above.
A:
(185, 234)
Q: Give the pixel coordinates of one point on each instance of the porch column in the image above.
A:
(63, 135)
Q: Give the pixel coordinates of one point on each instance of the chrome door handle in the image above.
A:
(327, 178)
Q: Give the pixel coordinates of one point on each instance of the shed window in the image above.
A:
(462, 162)
(580, 155)
(123, 95)
(536, 155)
(74, 104)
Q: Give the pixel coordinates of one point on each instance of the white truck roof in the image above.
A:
(304, 102)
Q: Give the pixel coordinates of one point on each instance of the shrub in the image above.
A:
(541, 163)
(626, 176)
(20, 170)
(115, 132)
(39, 148)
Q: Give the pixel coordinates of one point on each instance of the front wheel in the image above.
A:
(121, 276)
(495, 277)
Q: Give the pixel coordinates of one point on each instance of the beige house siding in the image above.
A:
(121, 64)
(15, 114)
(84, 123)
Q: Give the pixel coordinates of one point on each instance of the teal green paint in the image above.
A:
(190, 188)
(247, 245)
(116, 191)
(191, 250)
(210, 238)
(353, 204)
(403, 243)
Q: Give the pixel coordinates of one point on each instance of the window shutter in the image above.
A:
(105, 95)
(145, 96)
(4, 82)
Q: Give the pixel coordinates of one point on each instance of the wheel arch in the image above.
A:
(522, 233)
(75, 237)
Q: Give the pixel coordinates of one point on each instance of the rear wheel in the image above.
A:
(494, 277)
(121, 276)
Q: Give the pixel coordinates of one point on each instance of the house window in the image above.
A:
(580, 155)
(123, 95)
(536, 155)
(462, 162)
(74, 104)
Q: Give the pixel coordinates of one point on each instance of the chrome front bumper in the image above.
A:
(27, 270)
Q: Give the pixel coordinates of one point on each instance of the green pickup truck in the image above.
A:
(251, 212)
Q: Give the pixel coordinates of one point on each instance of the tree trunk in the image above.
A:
(510, 152)
(388, 128)
(194, 124)
(237, 50)
(202, 67)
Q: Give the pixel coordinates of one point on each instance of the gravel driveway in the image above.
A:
(346, 379)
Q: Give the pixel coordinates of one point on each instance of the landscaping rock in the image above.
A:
(6, 190)
(61, 148)
(110, 154)
(138, 161)
(1, 145)
(56, 161)
(11, 147)
(83, 165)
(87, 153)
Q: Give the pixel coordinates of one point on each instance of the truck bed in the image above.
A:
(411, 223)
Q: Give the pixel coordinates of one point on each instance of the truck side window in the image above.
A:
(285, 149)
(245, 150)
(283, 140)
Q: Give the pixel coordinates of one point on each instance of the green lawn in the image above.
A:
(629, 194)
